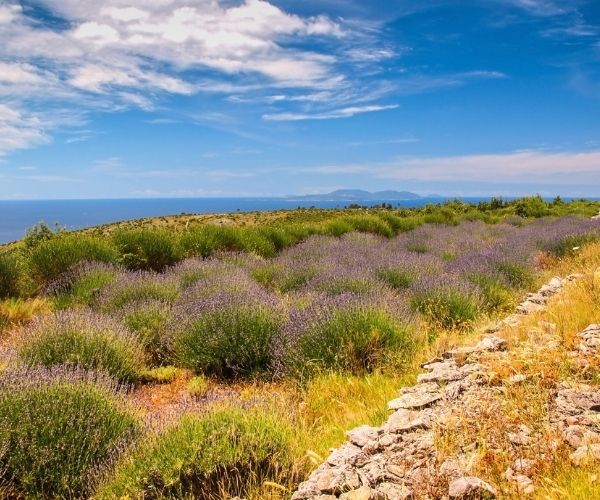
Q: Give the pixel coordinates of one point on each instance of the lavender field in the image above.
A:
(359, 305)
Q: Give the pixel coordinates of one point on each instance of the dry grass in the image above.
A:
(539, 349)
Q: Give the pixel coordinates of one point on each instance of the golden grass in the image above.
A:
(18, 311)
(539, 349)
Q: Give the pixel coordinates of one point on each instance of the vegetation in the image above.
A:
(85, 340)
(56, 428)
(206, 457)
(251, 346)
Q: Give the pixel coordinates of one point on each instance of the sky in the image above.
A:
(204, 98)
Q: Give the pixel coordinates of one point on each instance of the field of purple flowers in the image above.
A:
(357, 305)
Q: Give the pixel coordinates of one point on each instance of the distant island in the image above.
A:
(359, 195)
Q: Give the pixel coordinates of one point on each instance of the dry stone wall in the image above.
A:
(399, 459)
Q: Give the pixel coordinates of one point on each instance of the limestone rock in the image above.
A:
(405, 420)
(360, 436)
(363, 493)
(586, 453)
(393, 491)
(470, 487)
(417, 400)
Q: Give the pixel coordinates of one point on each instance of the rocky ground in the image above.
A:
(427, 448)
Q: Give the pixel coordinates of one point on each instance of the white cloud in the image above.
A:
(19, 73)
(19, 130)
(328, 115)
(565, 167)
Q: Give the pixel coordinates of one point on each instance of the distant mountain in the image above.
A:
(359, 195)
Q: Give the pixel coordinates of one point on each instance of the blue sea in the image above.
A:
(17, 216)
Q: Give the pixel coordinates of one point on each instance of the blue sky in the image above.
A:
(168, 98)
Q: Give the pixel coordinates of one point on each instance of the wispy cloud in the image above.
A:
(328, 115)
(567, 167)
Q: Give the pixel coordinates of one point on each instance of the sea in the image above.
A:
(18, 215)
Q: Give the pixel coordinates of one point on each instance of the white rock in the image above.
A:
(470, 487)
(585, 453)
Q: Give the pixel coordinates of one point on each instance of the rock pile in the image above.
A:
(576, 413)
(399, 460)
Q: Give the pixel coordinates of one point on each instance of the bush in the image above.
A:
(533, 206)
(148, 249)
(517, 274)
(149, 320)
(228, 334)
(496, 294)
(38, 233)
(446, 301)
(370, 224)
(567, 245)
(83, 339)
(222, 454)
(398, 279)
(51, 258)
(283, 277)
(56, 428)
(161, 374)
(345, 333)
(338, 227)
(9, 275)
(81, 284)
(140, 286)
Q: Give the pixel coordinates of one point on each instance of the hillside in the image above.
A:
(224, 360)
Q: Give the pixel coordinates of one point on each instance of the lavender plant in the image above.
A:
(149, 320)
(130, 287)
(347, 332)
(56, 428)
(84, 339)
(220, 454)
(227, 334)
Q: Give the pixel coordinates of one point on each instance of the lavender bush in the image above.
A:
(84, 339)
(136, 286)
(148, 319)
(347, 332)
(227, 334)
(56, 428)
(448, 301)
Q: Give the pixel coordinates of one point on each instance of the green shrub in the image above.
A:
(281, 237)
(283, 278)
(227, 335)
(9, 275)
(496, 295)
(38, 233)
(398, 279)
(338, 227)
(356, 338)
(221, 454)
(198, 386)
(406, 224)
(204, 241)
(533, 206)
(131, 288)
(148, 249)
(448, 307)
(255, 240)
(518, 275)
(567, 245)
(57, 428)
(149, 320)
(83, 339)
(83, 284)
(370, 224)
(51, 258)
